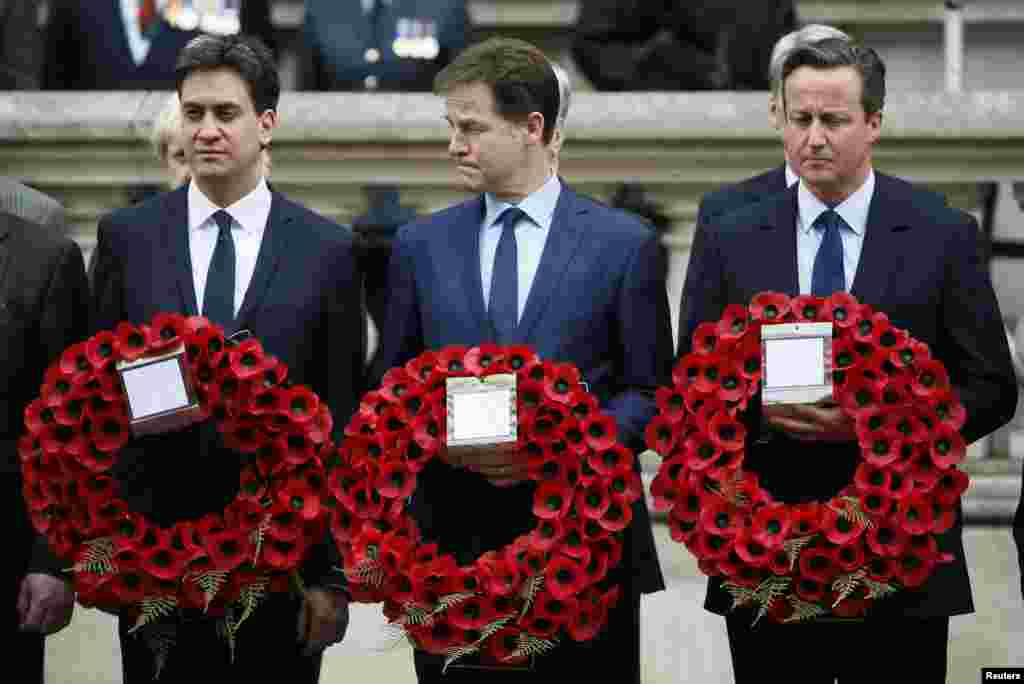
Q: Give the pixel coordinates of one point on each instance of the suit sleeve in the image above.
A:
(705, 293)
(693, 275)
(975, 351)
(402, 333)
(107, 282)
(59, 64)
(644, 334)
(63, 321)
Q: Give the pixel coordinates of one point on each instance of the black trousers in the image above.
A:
(864, 652)
(23, 651)
(266, 650)
(614, 656)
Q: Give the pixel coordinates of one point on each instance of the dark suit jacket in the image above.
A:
(338, 34)
(20, 56)
(721, 202)
(921, 265)
(303, 304)
(1018, 537)
(595, 302)
(87, 48)
(44, 302)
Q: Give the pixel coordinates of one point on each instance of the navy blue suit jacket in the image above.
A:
(303, 304)
(921, 265)
(596, 302)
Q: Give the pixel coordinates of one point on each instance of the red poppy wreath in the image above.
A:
(223, 563)
(877, 535)
(510, 604)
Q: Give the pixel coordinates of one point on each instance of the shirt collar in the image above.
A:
(791, 176)
(249, 212)
(853, 209)
(539, 206)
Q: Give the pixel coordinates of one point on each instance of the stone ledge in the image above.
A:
(417, 118)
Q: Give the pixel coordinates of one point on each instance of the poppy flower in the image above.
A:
(664, 491)
(552, 499)
(769, 306)
(870, 325)
(872, 479)
(850, 557)
(303, 495)
(617, 517)
(712, 370)
(395, 480)
(770, 525)
(600, 431)
(626, 487)
(808, 308)
(593, 501)
(950, 486)
(733, 323)
(242, 433)
(560, 379)
(949, 411)
(129, 341)
(894, 395)
(712, 547)
(74, 362)
(750, 550)
(882, 569)
(886, 539)
(504, 647)
(301, 404)
(38, 416)
(748, 359)
(485, 359)
(860, 392)
(561, 611)
(842, 309)
(167, 330)
(844, 356)
(396, 383)
(573, 542)
(838, 526)
(686, 372)
(900, 485)
(701, 452)
(818, 564)
(947, 447)
(706, 338)
(130, 586)
(248, 360)
(671, 404)
(294, 447)
(564, 577)
(609, 462)
(914, 514)
(450, 360)
(720, 517)
(881, 447)
(282, 555)
(726, 432)
(931, 379)
(810, 589)
(99, 349)
(163, 562)
(681, 530)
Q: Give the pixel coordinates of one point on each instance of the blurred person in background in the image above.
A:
(564, 100)
(132, 44)
(703, 45)
(20, 56)
(381, 45)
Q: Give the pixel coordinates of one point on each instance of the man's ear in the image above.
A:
(268, 122)
(535, 127)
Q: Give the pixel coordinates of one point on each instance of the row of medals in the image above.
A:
(221, 17)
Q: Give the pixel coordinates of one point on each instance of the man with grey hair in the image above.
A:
(848, 228)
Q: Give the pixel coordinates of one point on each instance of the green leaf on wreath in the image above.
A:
(740, 595)
(877, 589)
(456, 653)
(415, 614)
(853, 511)
(793, 548)
(530, 646)
(98, 557)
(249, 597)
(768, 592)
(152, 609)
(211, 582)
(369, 573)
(450, 600)
(845, 585)
(802, 610)
(257, 538)
(529, 592)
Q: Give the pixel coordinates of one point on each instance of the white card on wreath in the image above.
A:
(481, 411)
(160, 395)
(796, 361)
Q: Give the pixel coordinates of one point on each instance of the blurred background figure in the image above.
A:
(381, 45)
(20, 56)
(564, 100)
(700, 45)
(132, 44)
(168, 145)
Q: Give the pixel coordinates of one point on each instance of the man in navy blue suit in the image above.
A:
(226, 246)
(580, 287)
(845, 226)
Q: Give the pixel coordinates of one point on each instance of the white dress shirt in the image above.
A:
(854, 210)
(137, 43)
(791, 176)
(249, 221)
(531, 235)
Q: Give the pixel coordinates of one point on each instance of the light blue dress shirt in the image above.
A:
(531, 236)
(854, 210)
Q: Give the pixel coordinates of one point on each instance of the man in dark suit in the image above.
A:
(130, 44)
(381, 45)
(226, 246)
(903, 254)
(1018, 519)
(570, 277)
(20, 56)
(44, 300)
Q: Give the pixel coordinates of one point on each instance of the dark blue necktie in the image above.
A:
(827, 276)
(219, 296)
(503, 304)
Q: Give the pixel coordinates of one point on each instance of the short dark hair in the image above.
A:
(518, 73)
(832, 54)
(247, 55)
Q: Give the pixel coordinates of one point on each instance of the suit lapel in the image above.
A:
(878, 260)
(174, 243)
(774, 246)
(467, 258)
(567, 229)
(274, 244)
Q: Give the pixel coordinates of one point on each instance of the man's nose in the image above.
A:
(816, 135)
